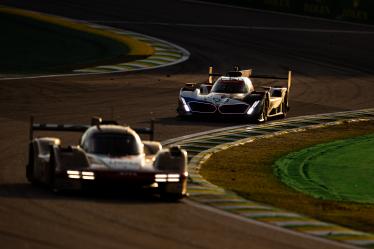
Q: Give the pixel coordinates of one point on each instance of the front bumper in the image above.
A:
(196, 108)
(118, 180)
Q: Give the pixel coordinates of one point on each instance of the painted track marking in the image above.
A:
(221, 26)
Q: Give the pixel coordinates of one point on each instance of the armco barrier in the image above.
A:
(345, 10)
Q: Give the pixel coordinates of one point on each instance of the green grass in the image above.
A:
(31, 46)
(342, 170)
(248, 171)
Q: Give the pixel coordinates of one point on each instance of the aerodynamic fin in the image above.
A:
(95, 121)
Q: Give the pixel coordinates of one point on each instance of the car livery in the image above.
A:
(108, 154)
(234, 95)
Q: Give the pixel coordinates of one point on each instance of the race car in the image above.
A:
(233, 95)
(108, 154)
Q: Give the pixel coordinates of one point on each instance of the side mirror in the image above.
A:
(189, 87)
(96, 121)
(205, 89)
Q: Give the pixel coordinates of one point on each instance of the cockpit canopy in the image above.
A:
(111, 140)
(232, 85)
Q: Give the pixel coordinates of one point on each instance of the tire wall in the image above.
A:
(346, 10)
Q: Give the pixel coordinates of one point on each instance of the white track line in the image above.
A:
(277, 13)
(268, 226)
(265, 28)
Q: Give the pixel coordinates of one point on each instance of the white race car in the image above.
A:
(108, 155)
(234, 95)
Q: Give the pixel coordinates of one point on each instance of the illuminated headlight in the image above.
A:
(167, 177)
(74, 174)
(185, 106)
(161, 177)
(86, 175)
(252, 108)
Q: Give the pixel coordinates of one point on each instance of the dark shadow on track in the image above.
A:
(28, 191)
(200, 121)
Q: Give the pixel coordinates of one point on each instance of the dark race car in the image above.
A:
(108, 155)
(234, 95)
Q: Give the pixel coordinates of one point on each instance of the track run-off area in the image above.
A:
(201, 147)
(67, 47)
(333, 72)
(340, 170)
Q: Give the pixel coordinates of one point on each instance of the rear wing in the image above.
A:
(95, 121)
(248, 73)
(234, 73)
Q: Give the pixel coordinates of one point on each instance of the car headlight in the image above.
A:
(185, 106)
(252, 108)
(85, 175)
(167, 177)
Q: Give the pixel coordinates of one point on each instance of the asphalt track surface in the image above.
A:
(334, 71)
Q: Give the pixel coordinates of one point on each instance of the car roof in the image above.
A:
(102, 129)
(246, 80)
(232, 78)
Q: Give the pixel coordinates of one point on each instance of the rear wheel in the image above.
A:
(263, 116)
(284, 110)
(51, 172)
(284, 106)
(167, 196)
(30, 166)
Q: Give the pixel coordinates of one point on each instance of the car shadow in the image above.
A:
(203, 121)
(30, 191)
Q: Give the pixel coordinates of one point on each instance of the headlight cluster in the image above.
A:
(185, 106)
(167, 177)
(252, 108)
(85, 175)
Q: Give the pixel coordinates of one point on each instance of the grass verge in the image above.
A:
(341, 170)
(36, 43)
(248, 170)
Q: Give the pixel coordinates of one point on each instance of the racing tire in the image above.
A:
(284, 110)
(169, 196)
(30, 173)
(51, 172)
(284, 107)
(30, 166)
(263, 116)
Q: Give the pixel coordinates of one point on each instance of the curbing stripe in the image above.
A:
(246, 207)
(368, 243)
(225, 138)
(255, 214)
(329, 232)
(296, 223)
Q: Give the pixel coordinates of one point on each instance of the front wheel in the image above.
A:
(172, 191)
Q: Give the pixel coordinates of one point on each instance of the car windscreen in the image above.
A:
(114, 144)
(230, 86)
